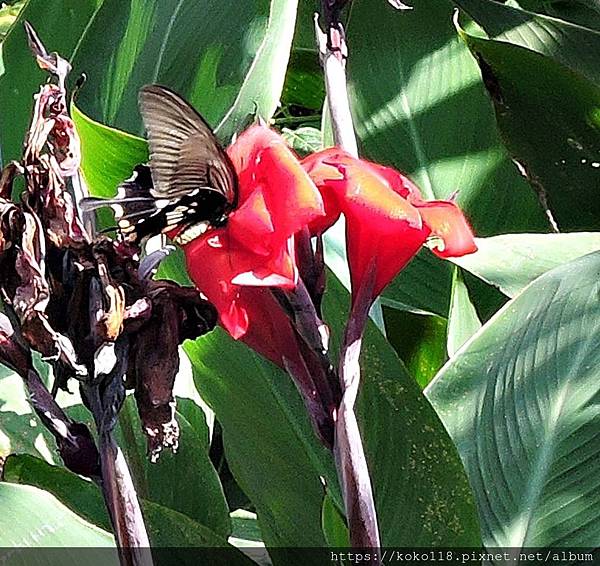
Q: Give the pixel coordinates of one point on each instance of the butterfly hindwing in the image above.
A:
(139, 213)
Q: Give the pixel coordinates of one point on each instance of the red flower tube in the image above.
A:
(232, 265)
(387, 221)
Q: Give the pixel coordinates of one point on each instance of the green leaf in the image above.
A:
(8, 15)
(304, 85)
(82, 496)
(32, 517)
(422, 495)
(59, 24)
(572, 45)
(424, 285)
(20, 429)
(222, 56)
(512, 261)
(463, 321)
(266, 434)
(166, 527)
(108, 155)
(245, 525)
(333, 525)
(168, 481)
(224, 70)
(247, 537)
(550, 119)
(303, 140)
(415, 117)
(521, 402)
(420, 341)
(261, 90)
(582, 12)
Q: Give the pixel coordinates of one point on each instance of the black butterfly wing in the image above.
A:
(191, 181)
(185, 156)
(135, 208)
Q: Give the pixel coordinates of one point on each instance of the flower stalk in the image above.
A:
(349, 452)
(333, 52)
(350, 458)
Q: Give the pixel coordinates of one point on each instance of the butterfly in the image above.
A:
(190, 182)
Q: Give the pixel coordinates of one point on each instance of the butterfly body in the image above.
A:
(190, 184)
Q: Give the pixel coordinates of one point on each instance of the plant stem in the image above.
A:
(349, 453)
(119, 493)
(348, 448)
(333, 53)
(121, 500)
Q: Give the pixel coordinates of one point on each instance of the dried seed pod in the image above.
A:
(178, 313)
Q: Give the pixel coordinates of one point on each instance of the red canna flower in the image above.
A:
(232, 265)
(387, 221)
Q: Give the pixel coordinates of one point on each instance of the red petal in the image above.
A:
(262, 158)
(270, 331)
(385, 252)
(251, 223)
(383, 230)
(447, 222)
(320, 169)
(221, 268)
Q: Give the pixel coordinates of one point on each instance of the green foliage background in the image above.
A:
(502, 104)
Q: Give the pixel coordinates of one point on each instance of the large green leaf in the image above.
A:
(420, 341)
(421, 493)
(8, 15)
(522, 403)
(166, 482)
(108, 155)
(228, 58)
(20, 429)
(217, 54)
(166, 527)
(60, 25)
(550, 119)
(512, 261)
(582, 12)
(264, 82)
(423, 285)
(247, 537)
(33, 518)
(270, 447)
(333, 524)
(463, 321)
(419, 105)
(585, 13)
(574, 46)
(185, 481)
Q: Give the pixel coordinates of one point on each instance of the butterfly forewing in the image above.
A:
(191, 183)
(185, 156)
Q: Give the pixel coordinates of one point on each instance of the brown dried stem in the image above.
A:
(90, 308)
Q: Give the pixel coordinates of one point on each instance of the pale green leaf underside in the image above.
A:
(522, 402)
